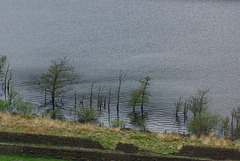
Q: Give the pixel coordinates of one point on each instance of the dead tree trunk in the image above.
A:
(5, 82)
(121, 79)
(91, 96)
(109, 99)
(75, 100)
(9, 83)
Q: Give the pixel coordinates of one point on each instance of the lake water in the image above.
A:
(183, 45)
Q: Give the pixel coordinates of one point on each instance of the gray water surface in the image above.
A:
(183, 45)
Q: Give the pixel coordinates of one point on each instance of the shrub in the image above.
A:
(118, 123)
(203, 123)
(225, 128)
(16, 103)
(235, 122)
(3, 105)
(23, 107)
(86, 114)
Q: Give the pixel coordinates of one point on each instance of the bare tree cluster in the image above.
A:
(5, 76)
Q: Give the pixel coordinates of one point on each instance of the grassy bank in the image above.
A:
(163, 143)
(26, 158)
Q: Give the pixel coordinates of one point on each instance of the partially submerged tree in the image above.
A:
(100, 98)
(3, 62)
(121, 79)
(135, 98)
(137, 120)
(5, 75)
(185, 110)
(109, 98)
(91, 96)
(140, 95)
(7, 81)
(143, 91)
(109, 101)
(57, 79)
(178, 105)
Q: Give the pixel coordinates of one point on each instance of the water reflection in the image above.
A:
(138, 120)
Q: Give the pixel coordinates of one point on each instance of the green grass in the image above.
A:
(26, 158)
(163, 143)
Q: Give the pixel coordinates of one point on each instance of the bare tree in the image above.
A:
(178, 105)
(3, 62)
(199, 102)
(6, 75)
(9, 82)
(105, 102)
(121, 79)
(6, 80)
(91, 96)
(235, 122)
(100, 98)
(57, 79)
(185, 110)
(75, 99)
(109, 99)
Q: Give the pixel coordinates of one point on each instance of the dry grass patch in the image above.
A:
(169, 136)
(205, 140)
(193, 138)
(158, 142)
